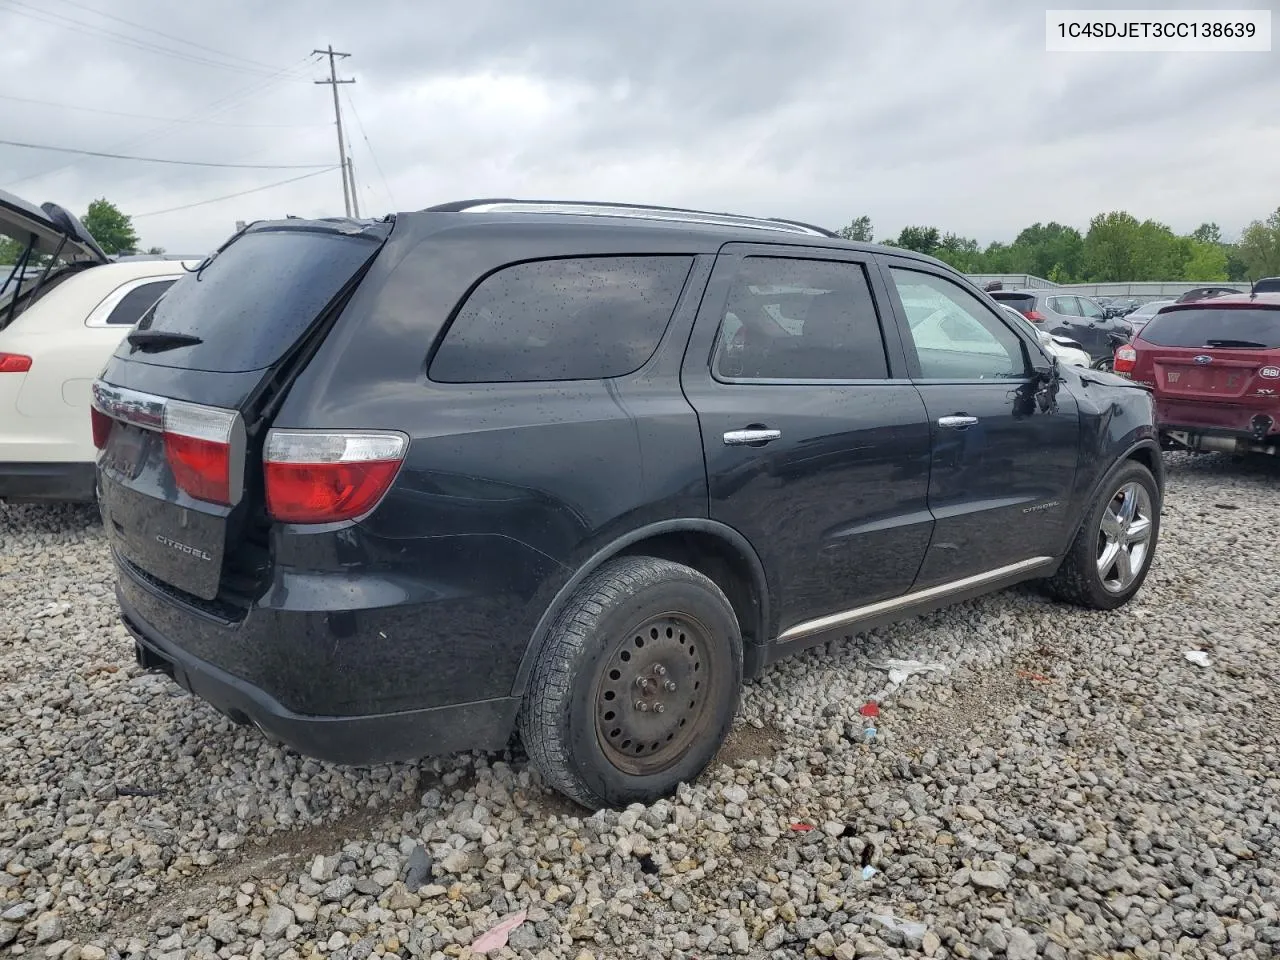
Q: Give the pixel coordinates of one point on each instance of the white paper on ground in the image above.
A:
(1198, 657)
(901, 670)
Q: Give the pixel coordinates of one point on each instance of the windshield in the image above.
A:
(1227, 327)
(1149, 309)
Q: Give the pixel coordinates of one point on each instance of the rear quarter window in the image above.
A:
(581, 318)
(1224, 327)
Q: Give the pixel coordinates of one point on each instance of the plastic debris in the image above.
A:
(868, 872)
(901, 670)
(1198, 657)
(496, 937)
(418, 870)
(870, 709)
(868, 734)
(1030, 675)
(802, 827)
(911, 929)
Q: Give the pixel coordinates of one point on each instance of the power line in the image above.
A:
(144, 116)
(113, 36)
(167, 36)
(181, 163)
(232, 196)
(373, 156)
(221, 105)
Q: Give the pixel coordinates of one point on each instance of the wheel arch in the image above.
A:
(714, 549)
(1145, 452)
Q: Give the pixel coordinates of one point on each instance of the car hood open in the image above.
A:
(52, 228)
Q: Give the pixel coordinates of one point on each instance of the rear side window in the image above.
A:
(800, 320)
(582, 318)
(1226, 327)
(137, 302)
(254, 300)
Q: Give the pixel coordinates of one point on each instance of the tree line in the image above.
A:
(1116, 247)
(106, 223)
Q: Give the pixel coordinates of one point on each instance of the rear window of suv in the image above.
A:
(253, 301)
(1225, 327)
(581, 318)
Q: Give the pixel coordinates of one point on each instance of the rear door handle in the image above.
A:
(958, 422)
(741, 438)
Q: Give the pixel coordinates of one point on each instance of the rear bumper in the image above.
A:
(354, 740)
(1258, 421)
(54, 482)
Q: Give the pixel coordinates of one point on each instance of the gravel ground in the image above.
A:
(1070, 786)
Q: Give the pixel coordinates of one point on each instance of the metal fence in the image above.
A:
(1138, 289)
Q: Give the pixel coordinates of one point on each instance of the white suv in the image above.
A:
(60, 321)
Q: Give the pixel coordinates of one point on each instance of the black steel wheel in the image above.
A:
(636, 685)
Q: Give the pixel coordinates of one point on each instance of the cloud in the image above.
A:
(916, 112)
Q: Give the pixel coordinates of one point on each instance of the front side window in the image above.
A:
(1068, 306)
(789, 319)
(955, 336)
(582, 318)
(1089, 309)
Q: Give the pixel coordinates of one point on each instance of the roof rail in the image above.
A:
(634, 210)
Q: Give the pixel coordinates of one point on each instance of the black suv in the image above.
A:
(388, 489)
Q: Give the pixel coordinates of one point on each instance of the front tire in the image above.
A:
(636, 686)
(1112, 553)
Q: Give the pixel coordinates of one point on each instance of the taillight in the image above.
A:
(14, 363)
(101, 427)
(1034, 316)
(198, 446)
(322, 477)
(1126, 359)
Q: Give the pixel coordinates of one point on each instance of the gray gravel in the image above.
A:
(1070, 786)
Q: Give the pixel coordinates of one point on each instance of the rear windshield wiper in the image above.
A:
(153, 341)
(1246, 344)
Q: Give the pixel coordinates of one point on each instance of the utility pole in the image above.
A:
(344, 162)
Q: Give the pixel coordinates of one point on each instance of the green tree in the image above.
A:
(858, 229)
(1043, 246)
(1205, 261)
(1120, 247)
(1259, 247)
(112, 229)
(961, 253)
(10, 250)
(155, 251)
(1207, 233)
(920, 239)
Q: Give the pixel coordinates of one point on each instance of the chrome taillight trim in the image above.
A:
(143, 410)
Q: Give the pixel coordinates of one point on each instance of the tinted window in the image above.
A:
(800, 320)
(956, 337)
(1019, 301)
(1267, 285)
(577, 319)
(1065, 305)
(138, 301)
(1208, 328)
(255, 299)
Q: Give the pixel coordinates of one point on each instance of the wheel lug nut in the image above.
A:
(659, 707)
(642, 706)
(660, 670)
(671, 686)
(642, 683)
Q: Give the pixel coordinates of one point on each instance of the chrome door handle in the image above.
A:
(957, 422)
(739, 438)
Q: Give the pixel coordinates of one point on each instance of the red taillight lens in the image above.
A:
(101, 427)
(314, 477)
(1034, 316)
(14, 363)
(197, 445)
(1125, 360)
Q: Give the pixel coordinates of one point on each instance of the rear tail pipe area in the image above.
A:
(1237, 446)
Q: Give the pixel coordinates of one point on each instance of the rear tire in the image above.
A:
(1112, 553)
(636, 686)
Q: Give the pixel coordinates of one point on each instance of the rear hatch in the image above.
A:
(50, 241)
(1024, 303)
(182, 409)
(1217, 352)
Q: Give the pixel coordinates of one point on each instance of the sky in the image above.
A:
(948, 114)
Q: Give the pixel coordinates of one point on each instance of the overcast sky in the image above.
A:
(913, 112)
